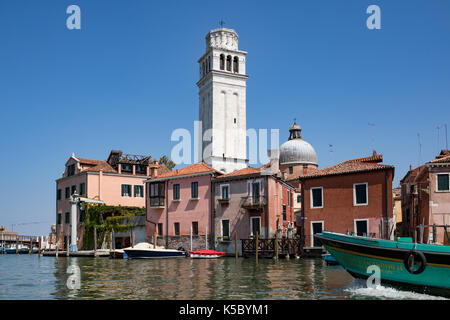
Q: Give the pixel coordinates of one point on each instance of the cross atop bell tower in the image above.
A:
(222, 101)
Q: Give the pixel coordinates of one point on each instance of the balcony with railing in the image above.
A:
(254, 202)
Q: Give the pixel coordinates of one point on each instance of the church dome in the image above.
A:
(296, 150)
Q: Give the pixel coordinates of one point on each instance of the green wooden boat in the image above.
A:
(416, 266)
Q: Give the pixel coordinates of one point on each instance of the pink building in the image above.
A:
(248, 201)
(426, 200)
(117, 181)
(179, 201)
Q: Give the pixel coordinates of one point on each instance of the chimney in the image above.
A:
(154, 170)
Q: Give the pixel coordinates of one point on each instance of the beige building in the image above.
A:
(117, 181)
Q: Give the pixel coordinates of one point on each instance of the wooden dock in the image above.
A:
(85, 253)
(267, 247)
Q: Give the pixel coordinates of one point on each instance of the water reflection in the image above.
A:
(190, 279)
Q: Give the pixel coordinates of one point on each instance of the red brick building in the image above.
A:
(354, 196)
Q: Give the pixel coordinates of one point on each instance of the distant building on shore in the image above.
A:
(426, 199)
(354, 196)
(117, 181)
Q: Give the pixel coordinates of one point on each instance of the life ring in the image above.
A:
(410, 267)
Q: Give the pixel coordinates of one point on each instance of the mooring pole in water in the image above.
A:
(276, 245)
(31, 245)
(206, 237)
(191, 238)
(17, 244)
(235, 244)
(155, 239)
(257, 245)
(95, 241)
(67, 247)
(110, 242)
(132, 239)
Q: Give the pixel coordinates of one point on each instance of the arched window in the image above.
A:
(204, 68)
(209, 64)
(222, 62)
(236, 64)
(229, 63)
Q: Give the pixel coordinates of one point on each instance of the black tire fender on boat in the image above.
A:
(423, 262)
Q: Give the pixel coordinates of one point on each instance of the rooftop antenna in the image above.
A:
(446, 142)
(221, 22)
(371, 131)
(439, 147)
(420, 150)
(330, 149)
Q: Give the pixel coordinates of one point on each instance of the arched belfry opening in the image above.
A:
(236, 65)
(228, 63)
(222, 62)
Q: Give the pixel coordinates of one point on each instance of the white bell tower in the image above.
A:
(222, 102)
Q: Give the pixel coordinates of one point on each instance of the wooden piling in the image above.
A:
(235, 245)
(276, 245)
(39, 247)
(154, 240)
(67, 247)
(257, 245)
(110, 242)
(31, 246)
(132, 239)
(57, 248)
(95, 242)
(17, 244)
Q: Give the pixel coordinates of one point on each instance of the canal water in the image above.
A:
(24, 277)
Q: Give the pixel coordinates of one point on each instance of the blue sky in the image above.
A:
(127, 79)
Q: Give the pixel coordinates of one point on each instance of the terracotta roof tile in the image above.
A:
(241, 172)
(192, 169)
(351, 166)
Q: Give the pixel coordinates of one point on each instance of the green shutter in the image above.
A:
(443, 182)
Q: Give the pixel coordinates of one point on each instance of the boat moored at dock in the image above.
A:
(206, 254)
(145, 250)
(423, 267)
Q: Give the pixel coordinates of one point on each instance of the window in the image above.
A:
(226, 229)
(58, 218)
(82, 188)
(126, 190)
(74, 190)
(225, 191)
(194, 190)
(255, 190)
(70, 170)
(299, 199)
(58, 194)
(291, 170)
(195, 228)
(361, 227)
(160, 229)
(176, 226)
(360, 194)
(141, 169)
(157, 194)
(139, 191)
(287, 198)
(67, 192)
(292, 198)
(284, 212)
(176, 192)
(67, 220)
(317, 197)
(443, 182)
